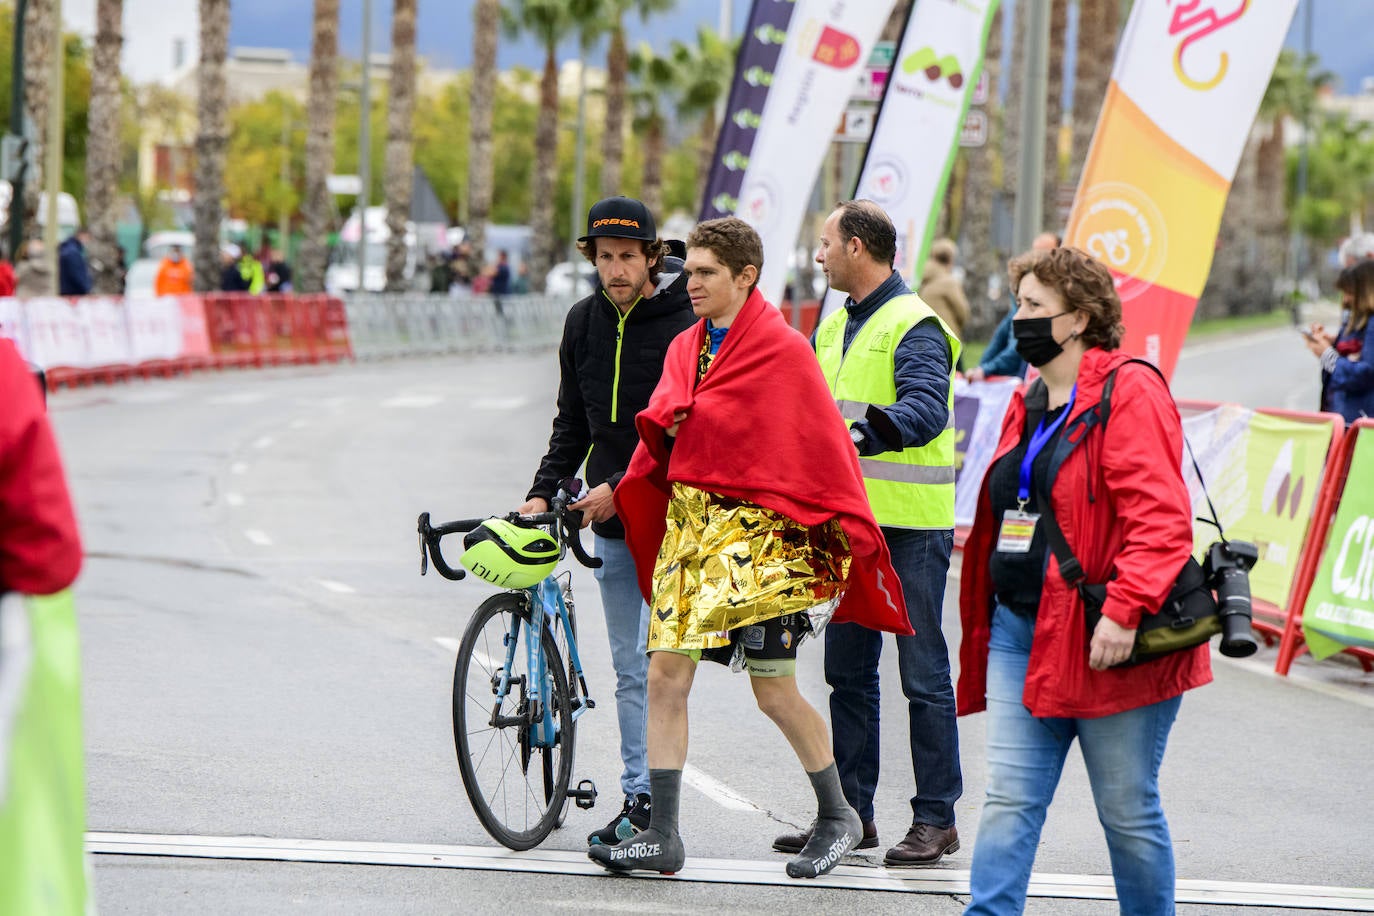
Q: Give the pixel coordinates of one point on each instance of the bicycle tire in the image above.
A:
(523, 822)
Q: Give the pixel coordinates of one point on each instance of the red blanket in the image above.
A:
(762, 426)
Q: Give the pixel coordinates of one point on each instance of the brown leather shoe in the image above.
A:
(792, 843)
(924, 846)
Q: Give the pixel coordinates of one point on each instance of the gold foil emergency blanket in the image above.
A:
(727, 563)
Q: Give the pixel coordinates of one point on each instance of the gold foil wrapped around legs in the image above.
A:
(727, 563)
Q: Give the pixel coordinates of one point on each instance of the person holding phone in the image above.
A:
(1347, 357)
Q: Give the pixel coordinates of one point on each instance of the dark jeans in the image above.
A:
(921, 559)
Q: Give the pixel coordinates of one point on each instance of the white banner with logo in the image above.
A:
(155, 330)
(12, 323)
(978, 411)
(55, 333)
(827, 46)
(916, 138)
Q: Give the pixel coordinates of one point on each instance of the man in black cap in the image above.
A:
(610, 360)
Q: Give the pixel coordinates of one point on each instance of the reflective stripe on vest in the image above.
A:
(913, 488)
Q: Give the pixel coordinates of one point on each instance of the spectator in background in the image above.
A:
(500, 280)
(942, 290)
(6, 277)
(1357, 248)
(174, 274)
(278, 273)
(250, 270)
(231, 279)
(464, 270)
(440, 272)
(73, 275)
(1000, 357)
(32, 277)
(1347, 358)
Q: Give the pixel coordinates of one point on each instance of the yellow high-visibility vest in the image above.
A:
(912, 488)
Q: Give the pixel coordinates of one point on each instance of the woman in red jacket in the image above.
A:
(1118, 495)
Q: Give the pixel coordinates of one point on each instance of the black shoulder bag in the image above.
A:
(1189, 615)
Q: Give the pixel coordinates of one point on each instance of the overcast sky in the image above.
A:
(1341, 31)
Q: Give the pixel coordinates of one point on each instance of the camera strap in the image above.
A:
(1069, 567)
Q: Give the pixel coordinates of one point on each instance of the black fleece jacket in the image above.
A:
(609, 365)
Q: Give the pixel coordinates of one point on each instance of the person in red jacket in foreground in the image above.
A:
(1118, 495)
(745, 500)
(40, 552)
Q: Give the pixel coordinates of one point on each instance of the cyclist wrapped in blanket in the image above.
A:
(744, 508)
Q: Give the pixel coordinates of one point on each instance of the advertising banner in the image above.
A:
(12, 324)
(827, 47)
(759, 48)
(916, 137)
(154, 328)
(1187, 84)
(1263, 474)
(1340, 607)
(107, 331)
(56, 334)
(978, 411)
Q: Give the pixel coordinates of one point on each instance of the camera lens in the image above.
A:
(1233, 600)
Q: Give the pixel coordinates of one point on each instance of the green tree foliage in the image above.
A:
(1340, 179)
(253, 179)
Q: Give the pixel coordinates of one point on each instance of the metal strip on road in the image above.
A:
(714, 871)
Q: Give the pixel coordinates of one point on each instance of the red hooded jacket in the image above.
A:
(40, 552)
(1120, 499)
(762, 426)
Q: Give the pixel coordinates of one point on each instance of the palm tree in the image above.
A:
(103, 146)
(1054, 113)
(318, 205)
(400, 141)
(212, 140)
(617, 68)
(707, 69)
(653, 80)
(1098, 26)
(983, 260)
(486, 23)
(549, 22)
(42, 33)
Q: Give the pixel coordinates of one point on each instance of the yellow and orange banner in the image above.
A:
(1185, 90)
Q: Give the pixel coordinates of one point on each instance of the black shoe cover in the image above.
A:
(831, 838)
(649, 850)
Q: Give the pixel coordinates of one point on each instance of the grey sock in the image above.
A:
(664, 788)
(837, 829)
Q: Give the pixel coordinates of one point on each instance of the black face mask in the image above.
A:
(1035, 341)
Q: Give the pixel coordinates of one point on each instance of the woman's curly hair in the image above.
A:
(1083, 283)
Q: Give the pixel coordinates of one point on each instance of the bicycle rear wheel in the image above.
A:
(516, 782)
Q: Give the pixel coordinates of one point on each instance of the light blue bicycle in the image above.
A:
(518, 688)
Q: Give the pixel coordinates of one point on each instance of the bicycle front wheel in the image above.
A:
(515, 761)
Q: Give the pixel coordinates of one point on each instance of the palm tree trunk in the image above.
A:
(212, 140)
(41, 36)
(613, 140)
(706, 150)
(102, 147)
(486, 22)
(1098, 24)
(981, 259)
(1054, 114)
(1011, 120)
(544, 244)
(318, 204)
(651, 190)
(400, 141)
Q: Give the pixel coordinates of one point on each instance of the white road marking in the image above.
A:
(238, 467)
(716, 790)
(299, 424)
(451, 644)
(151, 396)
(942, 881)
(233, 499)
(413, 400)
(500, 403)
(243, 397)
(264, 442)
(448, 642)
(338, 588)
(257, 537)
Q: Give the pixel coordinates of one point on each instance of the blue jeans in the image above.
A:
(627, 626)
(1025, 758)
(921, 559)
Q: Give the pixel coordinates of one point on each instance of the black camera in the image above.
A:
(1227, 568)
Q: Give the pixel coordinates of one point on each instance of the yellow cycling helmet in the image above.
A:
(507, 555)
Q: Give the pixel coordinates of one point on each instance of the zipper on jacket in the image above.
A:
(619, 342)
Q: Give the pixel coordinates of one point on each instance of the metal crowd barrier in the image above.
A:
(386, 325)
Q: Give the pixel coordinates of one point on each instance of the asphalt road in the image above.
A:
(262, 659)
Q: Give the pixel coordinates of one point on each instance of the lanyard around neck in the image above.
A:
(1039, 439)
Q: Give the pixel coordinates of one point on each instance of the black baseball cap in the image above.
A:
(620, 218)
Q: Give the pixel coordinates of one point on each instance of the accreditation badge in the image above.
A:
(1017, 530)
